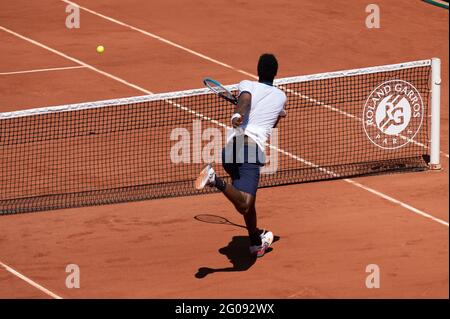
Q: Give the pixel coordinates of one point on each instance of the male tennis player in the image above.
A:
(260, 106)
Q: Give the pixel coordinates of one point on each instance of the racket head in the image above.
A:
(220, 90)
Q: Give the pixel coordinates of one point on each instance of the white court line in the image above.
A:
(29, 281)
(116, 78)
(205, 57)
(43, 70)
(382, 195)
(396, 201)
(157, 37)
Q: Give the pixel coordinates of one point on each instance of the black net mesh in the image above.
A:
(133, 151)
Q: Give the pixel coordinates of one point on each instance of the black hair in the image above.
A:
(267, 67)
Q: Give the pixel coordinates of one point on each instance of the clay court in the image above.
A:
(328, 231)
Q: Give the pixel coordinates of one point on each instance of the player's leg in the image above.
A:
(240, 161)
(239, 197)
(241, 200)
(246, 181)
(245, 204)
(260, 239)
(244, 201)
(251, 223)
(242, 193)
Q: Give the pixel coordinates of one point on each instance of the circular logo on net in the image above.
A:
(393, 114)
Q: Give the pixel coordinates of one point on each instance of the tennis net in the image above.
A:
(340, 124)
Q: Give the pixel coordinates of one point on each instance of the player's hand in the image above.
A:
(236, 122)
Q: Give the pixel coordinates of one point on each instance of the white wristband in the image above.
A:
(236, 116)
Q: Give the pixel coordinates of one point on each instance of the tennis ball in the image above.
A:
(100, 49)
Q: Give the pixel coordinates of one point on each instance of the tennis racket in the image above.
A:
(220, 90)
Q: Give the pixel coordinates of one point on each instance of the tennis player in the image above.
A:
(260, 106)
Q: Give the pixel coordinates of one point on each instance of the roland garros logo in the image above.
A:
(393, 114)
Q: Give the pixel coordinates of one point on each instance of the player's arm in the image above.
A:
(242, 108)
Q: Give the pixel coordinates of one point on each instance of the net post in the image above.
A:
(435, 113)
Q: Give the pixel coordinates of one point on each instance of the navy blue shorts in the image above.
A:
(243, 165)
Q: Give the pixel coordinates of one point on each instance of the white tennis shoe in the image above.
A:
(206, 177)
(266, 241)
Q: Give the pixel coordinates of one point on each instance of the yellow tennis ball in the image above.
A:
(100, 49)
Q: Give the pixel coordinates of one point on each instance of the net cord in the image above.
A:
(186, 93)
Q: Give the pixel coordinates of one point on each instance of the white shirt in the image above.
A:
(267, 104)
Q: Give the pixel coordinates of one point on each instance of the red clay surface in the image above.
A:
(330, 231)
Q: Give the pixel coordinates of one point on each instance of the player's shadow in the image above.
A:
(237, 252)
